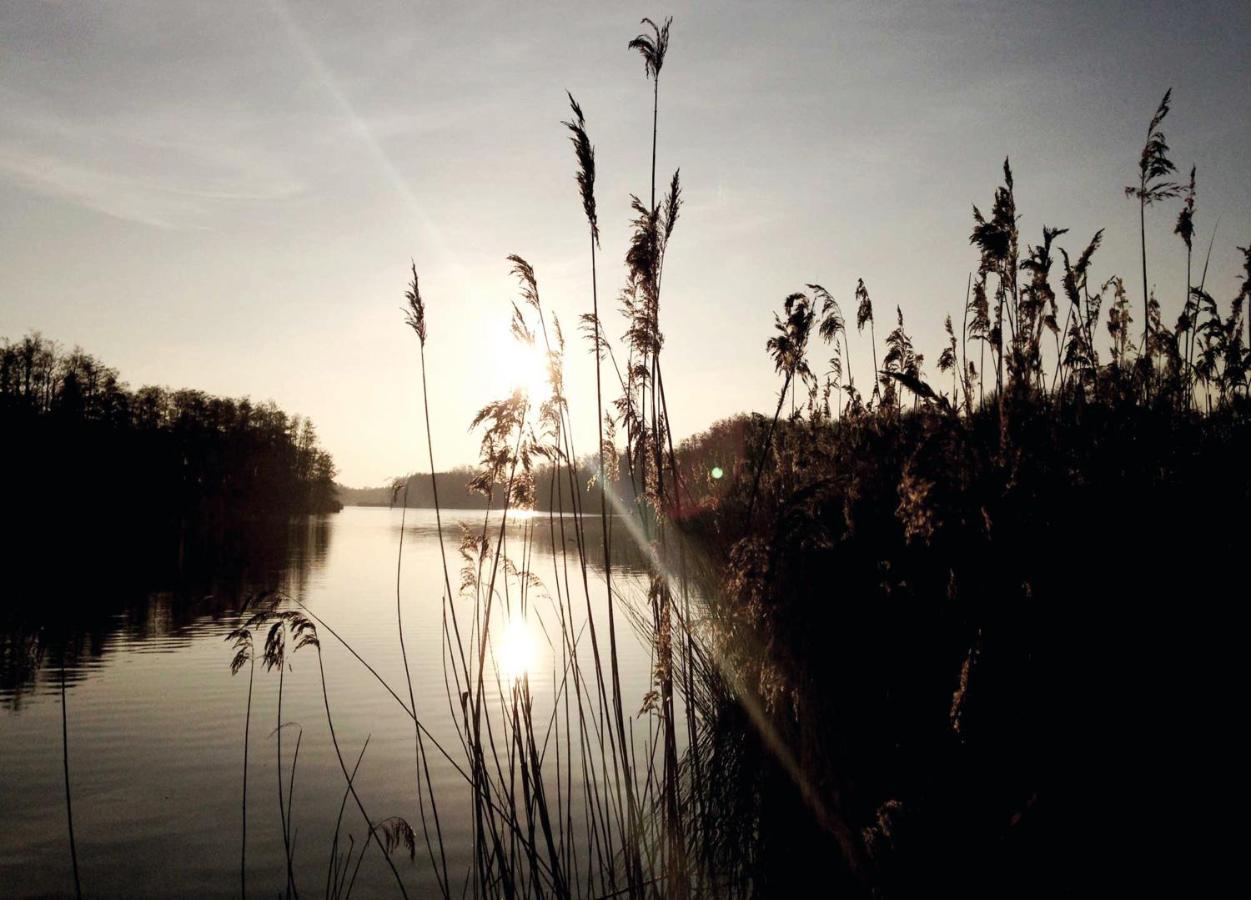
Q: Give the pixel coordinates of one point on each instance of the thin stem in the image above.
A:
(69, 808)
(247, 728)
(338, 823)
(282, 809)
(348, 777)
(417, 744)
(764, 453)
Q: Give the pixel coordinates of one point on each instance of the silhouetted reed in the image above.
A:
(244, 655)
(275, 656)
(1154, 167)
(337, 884)
(416, 320)
(789, 349)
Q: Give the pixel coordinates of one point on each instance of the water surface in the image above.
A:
(156, 721)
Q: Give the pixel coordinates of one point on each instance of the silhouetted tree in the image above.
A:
(75, 433)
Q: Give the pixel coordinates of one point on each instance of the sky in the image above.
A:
(227, 195)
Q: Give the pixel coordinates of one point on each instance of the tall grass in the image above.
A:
(244, 655)
(789, 351)
(1154, 168)
(415, 318)
(275, 656)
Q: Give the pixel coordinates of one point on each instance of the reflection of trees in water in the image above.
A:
(308, 542)
(158, 596)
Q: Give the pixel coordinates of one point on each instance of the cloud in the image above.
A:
(167, 170)
(164, 202)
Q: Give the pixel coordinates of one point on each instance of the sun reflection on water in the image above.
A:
(516, 650)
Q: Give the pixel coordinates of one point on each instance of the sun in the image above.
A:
(516, 650)
(520, 366)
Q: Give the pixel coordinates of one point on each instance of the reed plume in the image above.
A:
(948, 360)
(1185, 229)
(415, 315)
(584, 153)
(864, 313)
(902, 364)
(997, 240)
(788, 347)
(831, 328)
(1154, 168)
(653, 48)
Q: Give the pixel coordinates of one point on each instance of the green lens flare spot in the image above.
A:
(716, 473)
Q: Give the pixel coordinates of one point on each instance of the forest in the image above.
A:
(157, 461)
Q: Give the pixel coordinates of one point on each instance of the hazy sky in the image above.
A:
(226, 195)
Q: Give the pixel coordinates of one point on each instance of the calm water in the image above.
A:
(156, 721)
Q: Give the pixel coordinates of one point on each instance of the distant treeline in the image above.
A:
(75, 434)
(455, 492)
(707, 461)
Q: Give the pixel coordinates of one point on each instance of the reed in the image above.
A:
(789, 351)
(244, 655)
(275, 656)
(1154, 168)
(337, 869)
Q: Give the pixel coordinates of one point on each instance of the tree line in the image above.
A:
(553, 491)
(75, 433)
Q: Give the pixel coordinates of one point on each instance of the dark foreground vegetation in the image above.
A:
(998, 672)
(160, 463)
(979, 637)
(963, 633)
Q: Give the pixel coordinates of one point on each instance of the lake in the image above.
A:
(155, 720)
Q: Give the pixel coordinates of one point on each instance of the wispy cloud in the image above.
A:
(160, 202)
(138, 171)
